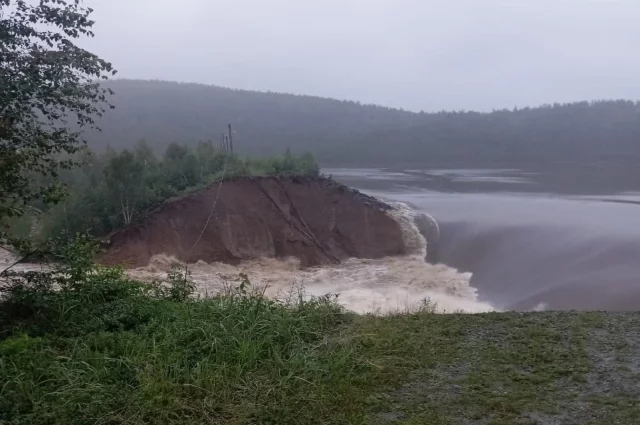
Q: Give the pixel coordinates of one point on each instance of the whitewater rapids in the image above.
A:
(382, 286)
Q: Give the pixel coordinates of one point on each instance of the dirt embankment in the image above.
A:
(315, 220)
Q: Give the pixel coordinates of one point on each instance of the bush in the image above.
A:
(178, 287)
(75, 296)
(82, 343)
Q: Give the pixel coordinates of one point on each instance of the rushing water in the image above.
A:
(532, 240)
(509, 240)
(381, 286)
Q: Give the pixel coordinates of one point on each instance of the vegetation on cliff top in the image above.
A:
(111, 189)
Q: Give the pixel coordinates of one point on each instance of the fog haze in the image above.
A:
(414, 54)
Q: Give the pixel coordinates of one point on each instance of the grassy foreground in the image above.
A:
(99, 349)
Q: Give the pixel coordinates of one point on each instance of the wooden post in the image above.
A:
(230, 139)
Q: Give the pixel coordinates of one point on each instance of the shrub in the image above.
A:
(73, 295)
(80, 343)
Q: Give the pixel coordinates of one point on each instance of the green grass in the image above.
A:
(116, 352)
(219, 361)
(510, 368)
(248, 361)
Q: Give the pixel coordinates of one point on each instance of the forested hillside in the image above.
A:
(348, 133)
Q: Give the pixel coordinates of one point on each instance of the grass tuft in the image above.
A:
(84, 345)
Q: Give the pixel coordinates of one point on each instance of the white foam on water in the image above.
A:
(380, 286)
(10, 261)
(414, 242)
(7, 257)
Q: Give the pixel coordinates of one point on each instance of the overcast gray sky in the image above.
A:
(415, 54)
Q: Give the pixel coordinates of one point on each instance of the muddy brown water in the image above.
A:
(510, 239)
(558, 238)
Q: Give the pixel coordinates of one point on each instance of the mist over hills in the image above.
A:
(349, 133)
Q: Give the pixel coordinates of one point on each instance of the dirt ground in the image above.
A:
(317, 221)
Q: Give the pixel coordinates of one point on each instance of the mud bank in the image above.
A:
(290, 234)
(317, 221)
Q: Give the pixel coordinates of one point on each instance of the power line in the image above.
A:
(215, 201)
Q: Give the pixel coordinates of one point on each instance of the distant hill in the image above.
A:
(349, 133)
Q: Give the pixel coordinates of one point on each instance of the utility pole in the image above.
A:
(231, 139)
